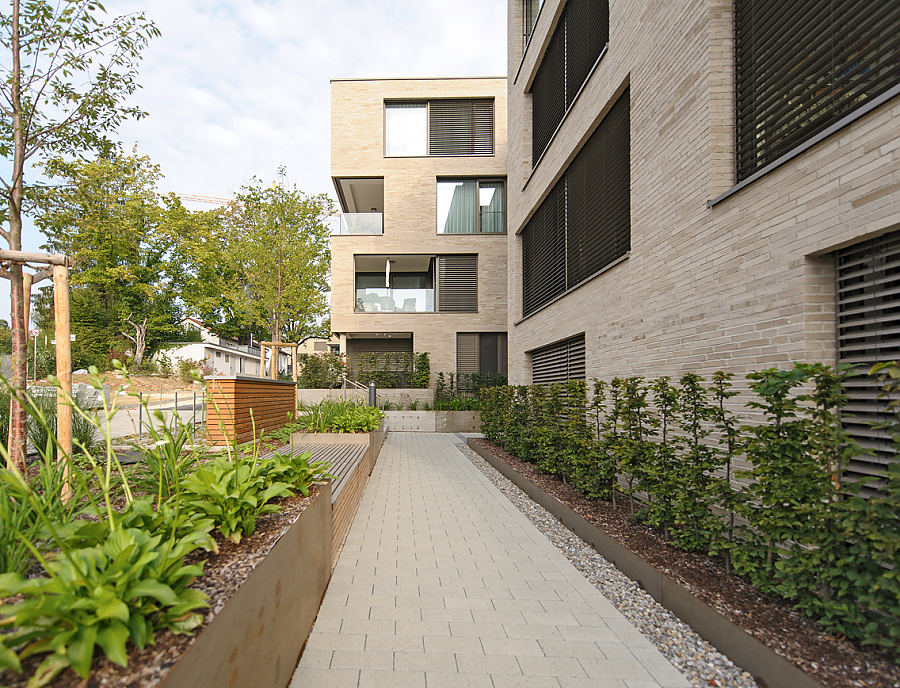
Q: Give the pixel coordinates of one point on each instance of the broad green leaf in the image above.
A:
(49, 669)
(9, 660)
(81, 650)
(112, 639)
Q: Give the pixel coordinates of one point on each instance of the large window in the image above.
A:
(801, 66)
(439, 127)
(470, 206)
(574, 48)
(584, 223)
(558, 362)
(412, 283)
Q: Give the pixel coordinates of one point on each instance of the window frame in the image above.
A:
(478, 212)
(387, 102)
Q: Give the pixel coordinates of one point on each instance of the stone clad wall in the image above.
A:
(744, 285)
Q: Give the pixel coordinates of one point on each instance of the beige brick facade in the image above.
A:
(744, 285)
(410, 211)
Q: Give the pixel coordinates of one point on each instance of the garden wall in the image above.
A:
(239, 406)
(398, 396)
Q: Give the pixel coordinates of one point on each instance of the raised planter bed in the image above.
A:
(741, 647)
(257, 637)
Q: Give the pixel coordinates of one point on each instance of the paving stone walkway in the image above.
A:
(443, 582)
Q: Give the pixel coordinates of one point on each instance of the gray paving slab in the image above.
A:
(443, 582)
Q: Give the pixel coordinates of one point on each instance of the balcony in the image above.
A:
(358, 223)
(375, 300)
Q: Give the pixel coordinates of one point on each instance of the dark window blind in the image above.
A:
(558, 362)
(457, 283)
(800, 66)
(868, 287)
(544, 251)
(461, 127)
(467, 352)
(574, 48)
(584, 224)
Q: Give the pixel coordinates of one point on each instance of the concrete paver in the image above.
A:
(443, 582)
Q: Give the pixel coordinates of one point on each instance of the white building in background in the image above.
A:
(224, 355)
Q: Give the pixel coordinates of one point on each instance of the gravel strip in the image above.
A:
(696, 659)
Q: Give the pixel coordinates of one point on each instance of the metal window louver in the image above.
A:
(559, 362)
(574, 48)
(868, 303)
(544, 251)
(584, 224)
(461, 127)
(803, 65)
(457, 283)
(467, 352)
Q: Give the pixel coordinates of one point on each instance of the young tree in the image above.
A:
(108, 214)
(271, 252)
(62, 91)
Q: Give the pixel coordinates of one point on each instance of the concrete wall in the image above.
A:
(744, 285)
(410, 211)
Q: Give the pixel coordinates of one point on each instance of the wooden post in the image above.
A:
(273, 369)
(63, 362)
(262, 360)
(294, 362)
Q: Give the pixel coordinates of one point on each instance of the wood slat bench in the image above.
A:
(351, 467)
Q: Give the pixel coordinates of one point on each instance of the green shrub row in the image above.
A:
(111, 543)
(335, 415)
(389, 370)
(462, 391)
(789, 523)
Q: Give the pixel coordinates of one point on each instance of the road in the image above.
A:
(130, 414)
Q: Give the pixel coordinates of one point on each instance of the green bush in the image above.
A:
(320, 371)
(334, 415)
(808, 537)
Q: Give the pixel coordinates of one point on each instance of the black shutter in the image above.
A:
(800, 66)
(587, 32)
(457, 284)
(868, 289)
(558, 362)
(461, 127)
(548, 93)
(574, 48)
(544, 251)
(599, 197)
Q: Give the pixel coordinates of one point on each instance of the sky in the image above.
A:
(236, 88)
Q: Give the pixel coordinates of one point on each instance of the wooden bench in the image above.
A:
(350, 466)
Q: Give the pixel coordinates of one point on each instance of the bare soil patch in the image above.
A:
(139, 383)
(834, 662)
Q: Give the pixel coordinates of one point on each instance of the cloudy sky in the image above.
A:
(236, 88)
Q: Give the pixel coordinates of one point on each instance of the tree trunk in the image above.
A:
(139, 339)
(16, 445)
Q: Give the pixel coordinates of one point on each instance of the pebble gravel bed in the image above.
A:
(696, 659)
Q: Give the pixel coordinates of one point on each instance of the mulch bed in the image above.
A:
(225, 572)
(834, 662)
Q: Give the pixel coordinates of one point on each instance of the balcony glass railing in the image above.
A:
(358, 223)
(394, 300)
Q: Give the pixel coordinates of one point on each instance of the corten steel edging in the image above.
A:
(256, 639)
(739, 646)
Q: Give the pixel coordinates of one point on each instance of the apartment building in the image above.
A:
(696, 185)
(418, 262)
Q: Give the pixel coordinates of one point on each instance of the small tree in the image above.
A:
(69, 74)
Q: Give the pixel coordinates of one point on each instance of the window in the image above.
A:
(405, 129)
(801, 66)
(481, 352)
(584, 223)
(558, 362)
(417, 283)
(868, 322)
(470, 206)
(574, 48)
(439, 127)
(532, 8)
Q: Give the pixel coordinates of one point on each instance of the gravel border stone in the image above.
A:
(696, 659)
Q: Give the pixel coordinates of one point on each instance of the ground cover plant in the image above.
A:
(792, 526)
(110, 552)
